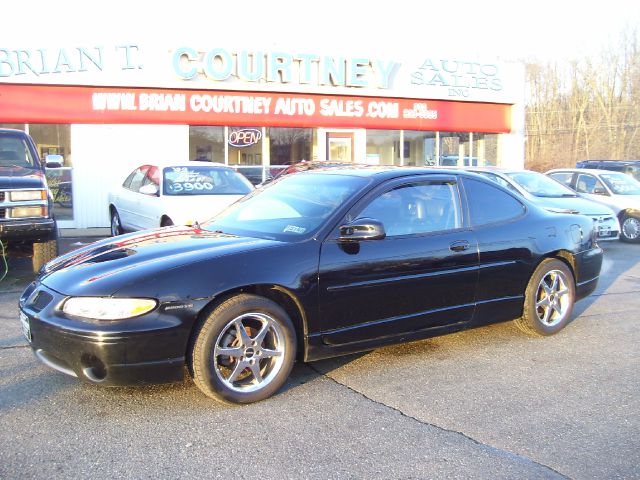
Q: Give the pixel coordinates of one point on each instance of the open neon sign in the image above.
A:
(244, 137)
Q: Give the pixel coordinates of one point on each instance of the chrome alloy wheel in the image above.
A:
(249, 352)
(631, 228)
(553, 298)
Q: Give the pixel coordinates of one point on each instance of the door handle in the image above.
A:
(459, 246)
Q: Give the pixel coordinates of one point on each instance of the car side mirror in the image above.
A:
(362, 229)
(149, 189)
(599, 191)
(53, 161)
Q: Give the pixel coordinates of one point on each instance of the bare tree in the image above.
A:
(585, 109)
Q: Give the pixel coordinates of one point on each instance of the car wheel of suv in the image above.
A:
(548, 300)
(630, 227)
(116, 226)
(43, 252)
(244, 350)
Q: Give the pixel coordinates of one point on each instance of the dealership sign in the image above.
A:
(76, 104)
(215, 67)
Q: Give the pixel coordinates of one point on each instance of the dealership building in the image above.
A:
(108, 109)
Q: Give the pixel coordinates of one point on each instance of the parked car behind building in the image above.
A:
(613, 189)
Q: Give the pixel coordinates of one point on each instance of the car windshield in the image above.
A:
(14, 152)
(204, 180)
(621, 184)
(540, 185)
(290, 209)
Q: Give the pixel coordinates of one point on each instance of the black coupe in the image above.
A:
(314, 265)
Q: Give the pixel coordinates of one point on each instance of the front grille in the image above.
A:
(41, 300)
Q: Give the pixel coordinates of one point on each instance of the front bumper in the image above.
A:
(144, 350)
(37, 230)
(607, 228)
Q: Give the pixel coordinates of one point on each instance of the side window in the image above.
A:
(562, 177)
(127, 181)
(587, 183)
(500, 181)
(416, 208)
(138, 178)
(488, 204)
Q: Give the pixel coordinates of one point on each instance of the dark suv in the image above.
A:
(26, 207)
(630, 167)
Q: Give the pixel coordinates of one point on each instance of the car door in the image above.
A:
(422, 275)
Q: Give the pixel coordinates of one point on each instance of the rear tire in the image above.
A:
(116, 225)
(244, 350)
(548, 300)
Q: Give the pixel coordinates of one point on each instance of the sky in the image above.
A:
(508, 30)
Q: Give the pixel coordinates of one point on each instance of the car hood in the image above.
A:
(188, 209)
(576, 204)
(21, 177)
(107, 266)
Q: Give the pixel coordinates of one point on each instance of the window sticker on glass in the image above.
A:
(182, 179)
(294, 229)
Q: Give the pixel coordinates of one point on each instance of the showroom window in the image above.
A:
(245, 145)
(289, 145)
(420, 148)
(207, 143)
(383, 147)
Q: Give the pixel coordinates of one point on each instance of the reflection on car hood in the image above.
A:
(21, 177)
(577, 205)
(114, 262)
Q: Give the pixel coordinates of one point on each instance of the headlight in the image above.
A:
(26, 195)
(26, 212)
(105, 308)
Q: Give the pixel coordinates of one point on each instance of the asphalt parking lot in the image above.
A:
(488, 403)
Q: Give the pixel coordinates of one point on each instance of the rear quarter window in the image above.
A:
(489, 204)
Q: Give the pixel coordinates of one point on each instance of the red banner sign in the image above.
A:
(72, 104)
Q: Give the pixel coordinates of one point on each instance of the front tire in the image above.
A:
(630, 229)
(549, 299)
(244, 350)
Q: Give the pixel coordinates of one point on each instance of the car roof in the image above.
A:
(593, 171)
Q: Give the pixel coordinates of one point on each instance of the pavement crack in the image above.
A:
(499, 451)
(10, 347)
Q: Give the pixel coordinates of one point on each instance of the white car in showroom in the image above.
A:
(178, 194)
(616, 190)
(554, 196)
